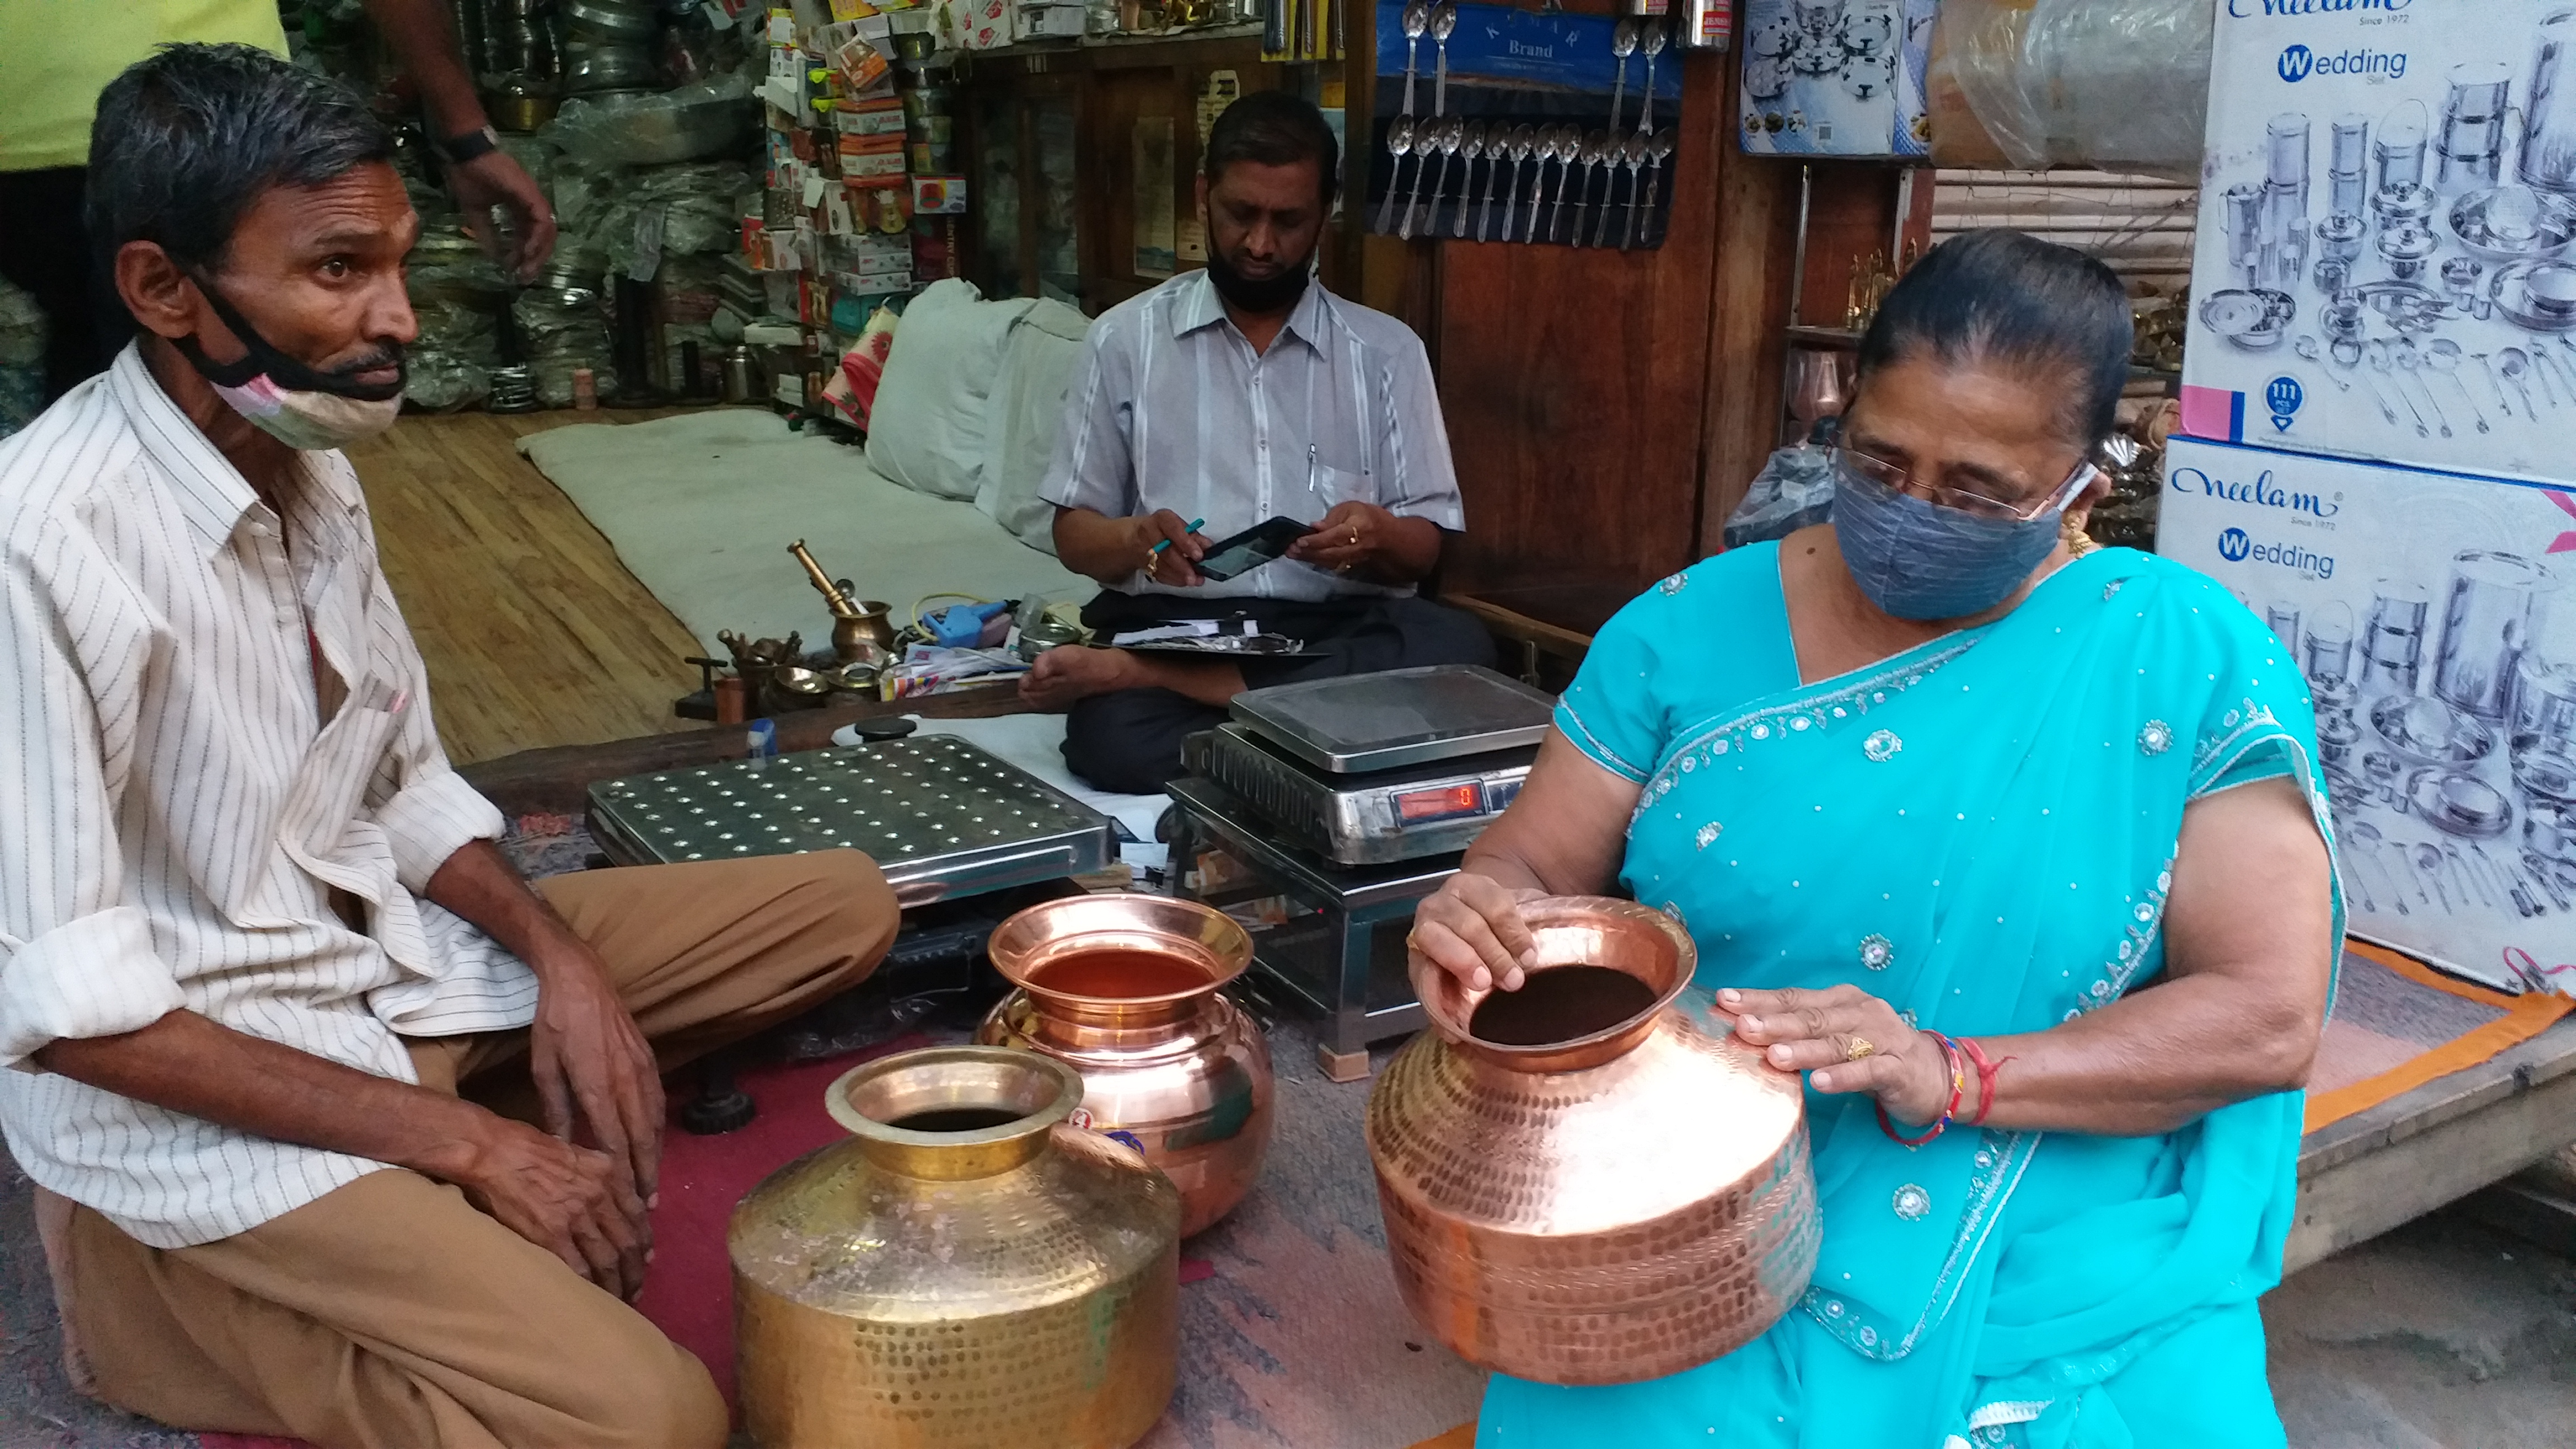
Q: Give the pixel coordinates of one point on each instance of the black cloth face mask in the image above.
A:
(1260, 296)
(262, 357)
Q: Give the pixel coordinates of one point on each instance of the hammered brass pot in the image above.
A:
(1181, 1070)
(1626, 1202)
(967, 1271)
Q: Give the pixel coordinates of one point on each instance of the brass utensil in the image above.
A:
(965, 1270)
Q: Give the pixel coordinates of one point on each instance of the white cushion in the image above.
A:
(931, 409)
(1039, 361)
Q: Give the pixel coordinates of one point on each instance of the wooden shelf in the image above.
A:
(1841, 339)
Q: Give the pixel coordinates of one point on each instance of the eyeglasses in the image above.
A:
(1852, 463)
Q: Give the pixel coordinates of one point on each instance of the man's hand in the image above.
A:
(571, 1201)
(493, 179)
(1372, 543)
(1176, 565)
(596, 1079)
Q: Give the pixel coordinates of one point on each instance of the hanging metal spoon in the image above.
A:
(1596, 149)
(1417, 19)
(1524, 141)
(2442, 355)
(2408, 362)
(1632, 155)
(1658, 146)
(2377, 352)
(1623, 44)
(1399, 144)
(1444, 19)
(1569, 151)
(1472, 144)
(1653, 39)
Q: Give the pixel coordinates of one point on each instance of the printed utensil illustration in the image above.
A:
(2513, 362)
(2408, 362)
(2367, 836)
(2307, 347)
(1399, 144)
(2486, 363)
(1417, 19)
(2442, 355)
(2380, 362)
(1658, 146)
(1632, 154)
(1653, 40)
(1623, 44)
(1444, 19)
(2428, 864)
(2539, 870)
(1524, 141)
(1473, 145)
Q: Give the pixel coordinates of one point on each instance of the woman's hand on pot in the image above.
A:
(1848, 1041)
(1471, 928)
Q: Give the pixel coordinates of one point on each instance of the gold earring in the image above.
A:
(2078, 542)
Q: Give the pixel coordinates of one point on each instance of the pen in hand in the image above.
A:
(1161, 544)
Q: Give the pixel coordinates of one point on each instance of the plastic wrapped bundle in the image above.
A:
(2113, 85)
(561, 331)
(707, 119)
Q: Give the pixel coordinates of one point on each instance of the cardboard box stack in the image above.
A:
(2379, 379)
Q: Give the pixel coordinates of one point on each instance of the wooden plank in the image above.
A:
(1757, 222)
(2446, 1139)
(1574, 381)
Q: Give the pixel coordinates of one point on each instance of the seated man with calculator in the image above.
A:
(1245, 453)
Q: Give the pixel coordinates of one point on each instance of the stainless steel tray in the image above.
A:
(1403, 717)
(1371, 819)
(940, 817)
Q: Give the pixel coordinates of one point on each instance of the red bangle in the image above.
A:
(1987, 1072)
(1958, 1090)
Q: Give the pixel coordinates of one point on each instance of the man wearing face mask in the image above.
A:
(345, 1132)
(1225, 398)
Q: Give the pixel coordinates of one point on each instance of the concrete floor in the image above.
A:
(2441, 1335)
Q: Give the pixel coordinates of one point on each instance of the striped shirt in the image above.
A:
(1173, 409)
(216, 720)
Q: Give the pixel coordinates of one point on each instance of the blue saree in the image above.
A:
(1980, 831)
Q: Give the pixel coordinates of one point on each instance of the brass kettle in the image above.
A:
(1622, 1197)
(1129, 990)
(967, 1271)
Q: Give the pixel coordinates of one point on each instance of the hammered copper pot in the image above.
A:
(967, 1271)
(1165, 1057)
(1626, 1203)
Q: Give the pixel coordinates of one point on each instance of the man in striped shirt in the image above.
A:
(255, 937)
(1224, 398)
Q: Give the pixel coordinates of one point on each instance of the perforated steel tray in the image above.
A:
(1401, 717)
(940, 817)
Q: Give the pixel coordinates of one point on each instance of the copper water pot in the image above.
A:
(996, 1277)
(1183, 1072)
(1618, 1206)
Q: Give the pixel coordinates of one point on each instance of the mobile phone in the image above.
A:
(1250, 549)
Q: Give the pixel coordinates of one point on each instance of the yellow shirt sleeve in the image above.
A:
(57, 55)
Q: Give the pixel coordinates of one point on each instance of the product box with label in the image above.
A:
(1040, 22)
(2382, 267)
(1835, 79)
(2433, 616)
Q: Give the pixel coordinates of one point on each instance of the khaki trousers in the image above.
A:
(391, 1314)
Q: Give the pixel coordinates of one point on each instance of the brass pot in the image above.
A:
(967, 1271)
(1170, 1062)
(1624, 1203)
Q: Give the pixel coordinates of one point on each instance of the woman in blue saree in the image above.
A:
(1941, 771)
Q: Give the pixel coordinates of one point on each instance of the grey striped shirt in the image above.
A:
(179, 796)
(1173, 409)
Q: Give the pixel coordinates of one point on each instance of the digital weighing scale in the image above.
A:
(1350, 800)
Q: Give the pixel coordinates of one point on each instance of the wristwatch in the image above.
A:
(481, 141)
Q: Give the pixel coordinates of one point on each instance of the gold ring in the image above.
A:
(1355, 537)
(1859, 1048)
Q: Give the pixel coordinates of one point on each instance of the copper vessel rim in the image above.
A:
(1223, 959)
(1068, 1096)
(1451, 1011)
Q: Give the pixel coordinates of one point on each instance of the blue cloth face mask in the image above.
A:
(1918, 560)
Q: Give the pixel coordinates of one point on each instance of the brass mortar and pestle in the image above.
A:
(861, 632)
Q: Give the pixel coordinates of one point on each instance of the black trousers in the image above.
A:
(45, 249)
(1130, 740)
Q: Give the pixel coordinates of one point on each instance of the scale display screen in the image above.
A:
(1442, 802)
